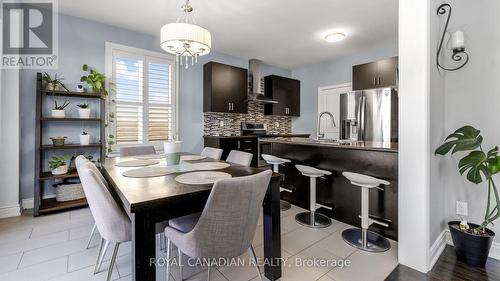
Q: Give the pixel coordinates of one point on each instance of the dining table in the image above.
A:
(152, 200)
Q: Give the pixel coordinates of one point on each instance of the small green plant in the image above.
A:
(60, 106)
(96, 80)
(83, 105)
(53, 82)
(58, 161)
(479, 165)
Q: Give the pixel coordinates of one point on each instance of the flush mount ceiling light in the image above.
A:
(334, 37)
(184, 38)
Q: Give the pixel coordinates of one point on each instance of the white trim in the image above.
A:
(11, 211)
(29, 203)
(437, 248)
(343, 85)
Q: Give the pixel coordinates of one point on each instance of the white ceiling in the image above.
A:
(285, 33)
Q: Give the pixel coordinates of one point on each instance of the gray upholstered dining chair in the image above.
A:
(210, 152)
(112, 222)
(137, 150)
(240, 158)
(226, 227)
(80, 160)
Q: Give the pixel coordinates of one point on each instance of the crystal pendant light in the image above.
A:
(184, 39)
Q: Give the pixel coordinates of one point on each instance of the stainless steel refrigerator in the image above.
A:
(370, 115)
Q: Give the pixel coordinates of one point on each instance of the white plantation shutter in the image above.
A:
(144, 101)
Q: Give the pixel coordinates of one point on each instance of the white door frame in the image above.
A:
(325, 88)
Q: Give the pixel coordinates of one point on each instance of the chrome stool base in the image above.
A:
(374, 241)
(284, 206)
(313, 220)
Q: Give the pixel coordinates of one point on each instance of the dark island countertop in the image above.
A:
(362, 145)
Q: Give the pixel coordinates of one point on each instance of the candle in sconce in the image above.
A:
(458, 40)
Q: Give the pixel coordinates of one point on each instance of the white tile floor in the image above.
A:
(51, 247)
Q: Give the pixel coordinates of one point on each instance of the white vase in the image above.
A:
(61, 170)
(58, 113)
(84, 139)
(84, 112)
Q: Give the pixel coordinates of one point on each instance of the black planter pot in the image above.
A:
(469, 248)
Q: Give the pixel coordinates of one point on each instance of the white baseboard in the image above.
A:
(445, 238)
(437, 248)
(12, 211)
(29, 203)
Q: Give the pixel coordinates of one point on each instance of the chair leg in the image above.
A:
(101, 244)
(91, 235)
(169, 256)
(254, 256)
(181, 273)
(113, 260)
(101, 258)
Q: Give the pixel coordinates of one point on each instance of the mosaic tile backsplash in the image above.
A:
(232, 121)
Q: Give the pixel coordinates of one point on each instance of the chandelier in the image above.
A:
(185, 39)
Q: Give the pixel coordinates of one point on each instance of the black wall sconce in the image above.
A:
(457, 41)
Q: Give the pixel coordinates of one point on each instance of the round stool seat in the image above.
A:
(364, 180)
(309, 171)
(271, 159)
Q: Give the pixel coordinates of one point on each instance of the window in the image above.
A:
(145, 108)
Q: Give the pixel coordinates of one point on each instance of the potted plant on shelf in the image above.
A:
(52, 84)
(472, 241)
(58, 111)
(83, 110)
(58, 165)
(84, 138)
(95, 80)
(58, 141)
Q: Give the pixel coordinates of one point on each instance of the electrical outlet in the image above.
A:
(462, 208)
(221, 123)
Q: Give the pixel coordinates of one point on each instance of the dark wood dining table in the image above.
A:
(148, 201)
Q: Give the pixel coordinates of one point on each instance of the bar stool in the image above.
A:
(363, 238)
(276, 161)
(311, 219)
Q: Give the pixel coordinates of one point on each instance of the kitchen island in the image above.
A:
(375, 159)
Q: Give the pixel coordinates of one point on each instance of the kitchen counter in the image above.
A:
(374, 159)
(363, 145)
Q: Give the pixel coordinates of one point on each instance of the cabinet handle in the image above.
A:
(239, 145)
(232, 106)
(379, 80)
(374, 80)
(228, 106)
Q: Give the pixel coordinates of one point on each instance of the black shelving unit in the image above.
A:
(42, 174)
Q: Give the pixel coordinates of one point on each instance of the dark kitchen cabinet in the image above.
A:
(246, 144)
(379, 74)
(225, 88)
(284, 90)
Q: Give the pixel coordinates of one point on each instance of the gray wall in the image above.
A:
(82, 41)
(326, 74)
(472, 97)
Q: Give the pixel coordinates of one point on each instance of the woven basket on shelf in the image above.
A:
(69, 192)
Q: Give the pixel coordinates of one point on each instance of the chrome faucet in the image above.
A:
(332, 124)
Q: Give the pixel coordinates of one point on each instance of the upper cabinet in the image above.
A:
(225, 88)
(379, 74)
(284, 90)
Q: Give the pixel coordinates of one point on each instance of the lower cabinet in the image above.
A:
(246, 144)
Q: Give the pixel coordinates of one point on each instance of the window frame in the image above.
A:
(112, 49)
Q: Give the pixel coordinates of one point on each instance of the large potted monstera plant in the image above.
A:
(472, 241)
